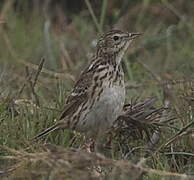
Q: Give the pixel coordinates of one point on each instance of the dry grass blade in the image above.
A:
(93, 16)
(57, 163)
(138, 117)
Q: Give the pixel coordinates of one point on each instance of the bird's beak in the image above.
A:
(134, 35)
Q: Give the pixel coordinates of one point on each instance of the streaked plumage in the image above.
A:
(99, 94)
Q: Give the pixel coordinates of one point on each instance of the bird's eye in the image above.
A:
(116, 38)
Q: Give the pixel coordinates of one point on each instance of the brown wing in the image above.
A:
(79, 94)
(81, 89)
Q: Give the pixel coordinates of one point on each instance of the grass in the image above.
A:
(163, 54)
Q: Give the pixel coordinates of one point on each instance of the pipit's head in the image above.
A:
(115, 42)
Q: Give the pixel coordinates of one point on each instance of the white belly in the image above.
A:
(105, 111)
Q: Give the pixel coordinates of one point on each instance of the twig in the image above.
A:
(40, 66)
(29, 79)
(49, 72)
(181, 133)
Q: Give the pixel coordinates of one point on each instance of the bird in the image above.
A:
(98, 96)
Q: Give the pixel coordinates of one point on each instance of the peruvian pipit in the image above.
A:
(98, 96)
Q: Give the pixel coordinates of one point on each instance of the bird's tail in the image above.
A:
(55, 127)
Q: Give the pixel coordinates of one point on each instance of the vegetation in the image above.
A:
(41, 53)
